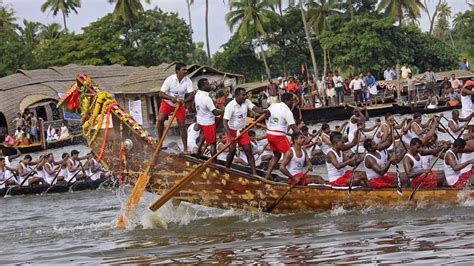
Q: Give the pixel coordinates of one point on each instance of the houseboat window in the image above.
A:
(55, 112)
(41, 112)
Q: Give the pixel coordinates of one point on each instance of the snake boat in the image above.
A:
(124, 147)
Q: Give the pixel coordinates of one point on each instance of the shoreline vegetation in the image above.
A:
(277, 40)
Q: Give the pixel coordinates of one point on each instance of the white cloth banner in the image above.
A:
(135, 109)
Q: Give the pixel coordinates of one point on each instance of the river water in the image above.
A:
(79, 227)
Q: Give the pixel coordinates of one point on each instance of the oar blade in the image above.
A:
(134, 198)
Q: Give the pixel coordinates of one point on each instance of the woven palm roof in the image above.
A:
(151, 79)
(254, 87)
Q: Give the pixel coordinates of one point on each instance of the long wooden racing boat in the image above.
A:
(406, 109)
(56, 188)
(125, 148)
(36, 147)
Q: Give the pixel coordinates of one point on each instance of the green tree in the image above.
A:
(251, 15)
(51, 32)
(128, 10)
(238, 56)
(198, 55)
(442, 27)
(318, 15)
(463, 27)
(398, 8)
(162, 37)
(65, 6)
(7, 18)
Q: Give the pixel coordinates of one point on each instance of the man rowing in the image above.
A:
(277, 127)
(454, 126)
(173, 92)
(205, 115)
(466, 101)
(27, 174)
(6, 180)
(337, 160)
(294, 161)
(453, 165)
(235, 115)
(414, 167)
(74, 166)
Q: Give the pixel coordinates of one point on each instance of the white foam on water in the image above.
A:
(338, 210)
(81, 227)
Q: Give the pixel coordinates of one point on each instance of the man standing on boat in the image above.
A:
(234, 121)
(205, 115)
(277, 127)
(173, 92)
(430, 79)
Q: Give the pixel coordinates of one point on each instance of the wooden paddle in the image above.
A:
(399, 182)
(144, 178)
(424, 177)
(447, 131)
(56, 176)
(353, 169)
(400, 138)
(28, 176)
(270, 208)
(196, 171)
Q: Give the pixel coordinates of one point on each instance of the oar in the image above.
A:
(263, 150)
(276, 202)
(399, 182)
(400, 138)
(144, 177)
(13, 175)
(69, 182)
(462, 131)
(28, 176)
(56, 176)
(424, 177)
(353, 169)
(196, 171)
(447, 131)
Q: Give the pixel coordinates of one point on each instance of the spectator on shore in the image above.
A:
(405, 71)
(455, 83)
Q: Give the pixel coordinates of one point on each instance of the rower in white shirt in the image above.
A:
(235, 115)
(205, 115)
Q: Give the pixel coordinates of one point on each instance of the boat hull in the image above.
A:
(403, 110)
(58, 188)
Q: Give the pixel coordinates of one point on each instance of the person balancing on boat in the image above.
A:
(234, 121)
(280, 119)
(205, 115)
(173, 92)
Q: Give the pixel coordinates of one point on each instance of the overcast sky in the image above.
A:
(219, 33)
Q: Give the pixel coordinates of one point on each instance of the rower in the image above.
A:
(414, 168)
(466, 100)
(337, 160)
(234, 121)
(63, 164)
(356, 117)
(205, 115)
(362, 138)
(5, 180)
(93, 168)
(277, 127)
(173, 92)
(454, 126)
(24, 171)
(74, 166)
(194, 132)
(417, 129)
(49, 171)
(294, 161)
(406, 132)
(325, 140)
(468, 154)
(384, 131)
(453, 165)
(377, 166)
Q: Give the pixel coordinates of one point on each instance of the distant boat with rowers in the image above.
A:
(125, 148)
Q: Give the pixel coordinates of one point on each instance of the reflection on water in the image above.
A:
(79, 227)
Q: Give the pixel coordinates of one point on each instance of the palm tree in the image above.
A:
(442, 27)
(251, 15)
(7, 18)
(318, 14)
(51, 32)
(29, 33)
(397, 8)
(65, 6)
(189, 3)
(308, 39)
(128, 10)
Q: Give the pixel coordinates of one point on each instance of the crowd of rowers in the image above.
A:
(48, 171)
(375, 152)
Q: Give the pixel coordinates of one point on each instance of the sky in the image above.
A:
(219, 32)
